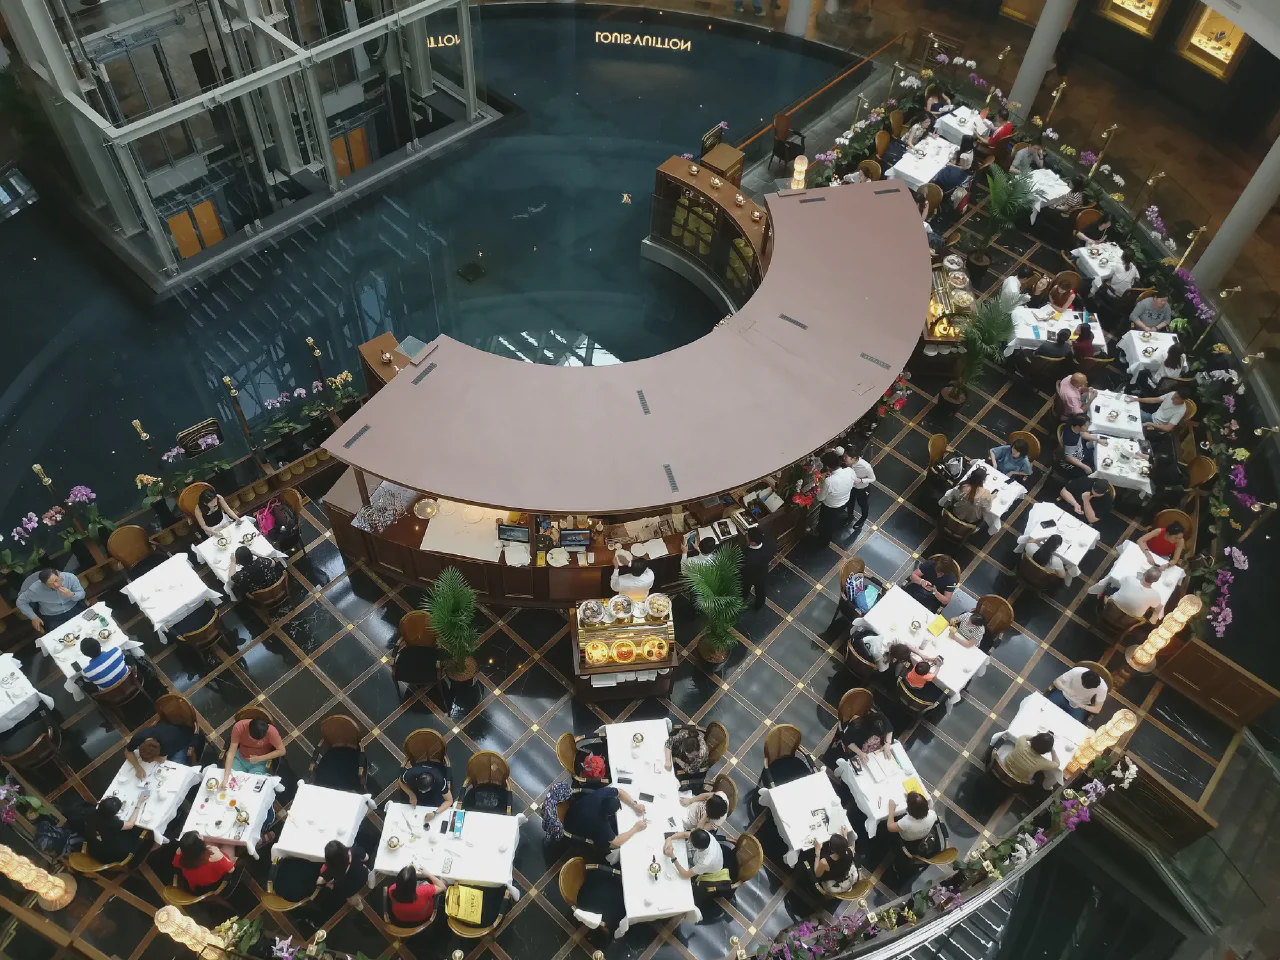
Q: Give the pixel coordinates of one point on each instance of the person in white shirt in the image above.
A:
(1079, 691)
(706, 810)
(1173, 407)
(1125, 276)
(863, 477)
(833, 494)
(1013, 292)
(705, 855)
(1137, 596)
(698, 555)
(919, 131)
(635, 581)
(915, 827)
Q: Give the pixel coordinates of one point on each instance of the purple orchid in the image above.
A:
(300, 392)
(171, 454)
(80, 494)
(209, 441)
(1088, 158)
(942, 58)
(316, 386)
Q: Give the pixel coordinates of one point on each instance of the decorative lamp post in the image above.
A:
(798, 171)
(182, 929)
(54, 890)
(1193, 236)
(1085, 754)
(1107, 140)
(1057, 95)
(1142, 657)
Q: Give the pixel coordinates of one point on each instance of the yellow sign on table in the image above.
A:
(937, 625)
(912, 785)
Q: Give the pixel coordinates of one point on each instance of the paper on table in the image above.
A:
(655, 548)
(938, 625)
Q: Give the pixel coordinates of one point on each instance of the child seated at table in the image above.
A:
(104, 669)
(919, 679)
(203, 865)
(411, 900)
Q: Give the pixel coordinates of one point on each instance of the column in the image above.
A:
(798, 12)
(320, 127)
(419, 60)
(1035, 62)
(1255, 202)
(468, 59)
(159, 232)
(279, 120)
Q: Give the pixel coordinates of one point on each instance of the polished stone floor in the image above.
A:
(328, 653)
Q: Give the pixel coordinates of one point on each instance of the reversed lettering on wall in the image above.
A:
(642, 40)
(444, 40)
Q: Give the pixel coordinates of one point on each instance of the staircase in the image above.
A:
(978, 936)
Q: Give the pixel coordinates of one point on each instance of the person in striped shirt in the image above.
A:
(105, 669)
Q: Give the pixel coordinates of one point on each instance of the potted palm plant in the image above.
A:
(1009, 198)
(984, 339)
(716, 585)
(452, 605)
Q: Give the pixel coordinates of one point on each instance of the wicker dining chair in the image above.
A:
(395, 928)
(189, 499)
(1030, 439)
(82, 862)
(176, 709)
(571, 751)
(339, 761)
(784, 758)
(953, 528)
(487, 785)
(291, 883)
(854, 703)
(272, 596)
(870, 169)
(855, 893)
(415, 659)
(1034, 575)
(717, 735)
(495, 903)
(883, 139)
(129, 545)
(723, 783)
(32, 742)
(897, 126)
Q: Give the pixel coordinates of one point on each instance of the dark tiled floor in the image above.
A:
(330, 654)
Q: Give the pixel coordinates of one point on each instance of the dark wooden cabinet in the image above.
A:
(1219, 685)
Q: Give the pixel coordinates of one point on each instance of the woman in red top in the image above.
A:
(411, 901)
(202, 864)
(1166, 543)
(1082, 346)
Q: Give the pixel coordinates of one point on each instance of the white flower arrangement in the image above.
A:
(860, 126)
(1105, 168)
(848, 133)
(911, 82)
(972, 64)
(849, 178)
(1125, 772)
(1050, 133)
(842, 141)
(1117, 180)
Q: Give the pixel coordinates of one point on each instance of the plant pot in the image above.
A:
(297, 468)
(165, 537)
(96, 574)
(233, 500)
(163, 509)
(183, 528)
(470, 667)
(711, 654)
(951, 399)
(260, 487)
(322, 454)
(310, 460)
(977, 265)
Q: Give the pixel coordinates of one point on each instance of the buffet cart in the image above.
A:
(951, 301)
(623, 650)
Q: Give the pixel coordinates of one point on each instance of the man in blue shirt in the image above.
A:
(56, 596)
(592, 814)
(105, 669)
(1011, 458)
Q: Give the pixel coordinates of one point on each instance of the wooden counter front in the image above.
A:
(377, 372)
(757, 232)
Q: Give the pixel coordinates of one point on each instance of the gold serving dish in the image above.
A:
(590, 611)
(223, 541)
(242, 816)
(655, 649)
(1145, 335)
(247, 538)
(1094, 251)
(659, 606)
(596, 653)
(624, 651)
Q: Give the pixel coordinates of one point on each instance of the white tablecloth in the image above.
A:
(878, 782)
(1092, 266)
(1125, 468)
(168, 784)
(923, 162)
(218, 559)
(1047, 187)
(1032, 327)
(892, 618)
(1004, 493)
(960, 664)
(214, 818)
(1131, 562)
(482, 856)
(18, 698)
(67, 655)
(170, 592)
(645, 769)
(464, 530)
(797, 812)
(1078, 538)
(960, 123)
(1134, 343)
(1128, 420)
(1037, 715)
(316, 816)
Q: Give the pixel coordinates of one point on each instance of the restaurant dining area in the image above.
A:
(868, 592)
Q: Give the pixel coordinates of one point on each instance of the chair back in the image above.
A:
(395, 928)
(1030, 439)
(723, 783)
(252, 712)
(1034, 575)
(205, 635)
(179, 897)
(292, 499)
(937, 448)
(870, 169)
(883, 139)
(855, 893)
(932, 194)
(1100, 670)
(189, 498)
(572, 874)
(781, 126)
(1097, 369)
(940, 859)
(908, 698)
(121, 691)
(567, 753)
(1003, 152)
(854, 703)
(1068, 278)
(1201, 471)
(129, 545)
(953, 528)
(781, 741)
(896, 125)
(717, 736)
(1087, 218)
(850, 568)
(859, 665)
(271, 595)
(749, 856)
(176, 709)
(1046, 369)
(416, 629)
(997, 610)
(1166, 517)
(487, 768)
(1189, 415)
(1115, 621)
(996, 768)
(425, 746)
(339, 730)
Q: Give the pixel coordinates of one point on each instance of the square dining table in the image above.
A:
(216, 554)
(805, 810)
(236, 814)
(165, 786)
(62, 644)
(169, 592)
(318, 815)
(1036, 714)
(482, 855)
(886, 776)
(18, 696)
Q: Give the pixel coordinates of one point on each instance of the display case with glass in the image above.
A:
(1140, 16)
(1212, 42)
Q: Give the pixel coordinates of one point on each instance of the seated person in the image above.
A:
(1172, 369)
(1137, 596)
(104, 669)
(1163, 544)
(967, 500)
(248, 572)
(705, 855)
(1030, 157)
(1151, 314)
(860, 736)
(1095, 232)
(1044, 551)
(1037, 290)
(427, 783)
(918, 131)
(51, 599)
(107, 839)
(213, 513)
(1075, 393)
(345, 870)
(833, 865)
(933, 582)
(1079, 691)
(1077, 448)
(706, 811)
(1003, 129)
(915, 827)
(592, 815)
(1059, 346)
(687, 752)
(1082, 346)
(1011, 459)
(1121, 281)
(160, 741)
(953, 175)
(411, 901)
(1073, 198)
(283, 535)
(969, 629)
(203, 865)
(1024, 757)
(868, 644)
(1173, 407)
(254, 744)
(1015, 290)
(938, 104)
(919, 680)
(1061, 296)
(1089, 498)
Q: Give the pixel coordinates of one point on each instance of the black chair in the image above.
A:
(784, 759)
(291, 884)
(487, 786)
(415, 660)
(787, 143)
(32, 742)
(339, 761)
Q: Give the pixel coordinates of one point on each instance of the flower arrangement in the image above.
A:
(911, 82)
(1069, 151)
(172, 454)
(894, 398)
(1050, 133)
(1088, 158)
(1152, 216)
(943, 59)
(1117, 180)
